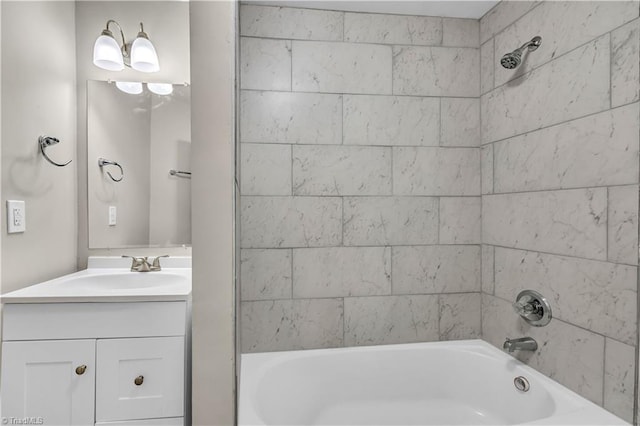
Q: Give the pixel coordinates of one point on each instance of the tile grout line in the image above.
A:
(604, 369)
(602, 111)
(389, 95)
(492, 195)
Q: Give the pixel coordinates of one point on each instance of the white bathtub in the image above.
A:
(444, 383)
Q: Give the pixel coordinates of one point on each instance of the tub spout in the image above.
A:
(521, 344)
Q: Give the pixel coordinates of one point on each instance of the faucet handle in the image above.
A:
(156, 263)
(138, 264)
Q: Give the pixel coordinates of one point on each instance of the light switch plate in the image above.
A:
(113, 215)
(16, 216)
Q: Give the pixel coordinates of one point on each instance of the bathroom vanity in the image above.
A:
(103, 346)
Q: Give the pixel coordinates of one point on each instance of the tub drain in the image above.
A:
(521, 384)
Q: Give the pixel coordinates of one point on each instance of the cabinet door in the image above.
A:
(140, 378)
(45, 380)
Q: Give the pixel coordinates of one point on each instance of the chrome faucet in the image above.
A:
(139, 264)
(521, 344)
(142, 264)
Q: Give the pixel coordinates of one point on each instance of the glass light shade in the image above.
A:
(143, 56)
(107, 54)
(130, 87)
(160, 88)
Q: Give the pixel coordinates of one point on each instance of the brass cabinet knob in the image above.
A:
(138, 381)
(81, 369)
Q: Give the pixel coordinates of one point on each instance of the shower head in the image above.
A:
(513, 59)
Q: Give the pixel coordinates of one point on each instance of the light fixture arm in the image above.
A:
(123, 47)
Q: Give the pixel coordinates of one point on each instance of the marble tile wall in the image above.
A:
(360, 178)
(560, 167)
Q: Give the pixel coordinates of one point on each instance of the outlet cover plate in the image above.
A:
(16, 216)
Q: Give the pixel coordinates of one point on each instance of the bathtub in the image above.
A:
(466, 382)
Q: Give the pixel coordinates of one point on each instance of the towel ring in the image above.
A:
(47, 141)
(104, 162)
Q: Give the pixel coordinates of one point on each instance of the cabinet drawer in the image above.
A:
(139, 378)
(44, 321)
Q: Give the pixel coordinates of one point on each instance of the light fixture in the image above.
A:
(130, 87)
(160, 88)
(139, 55)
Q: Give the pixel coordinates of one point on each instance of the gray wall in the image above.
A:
(560, 174)
(360, 179)
(38, 98)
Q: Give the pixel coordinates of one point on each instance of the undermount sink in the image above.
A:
(126, 280)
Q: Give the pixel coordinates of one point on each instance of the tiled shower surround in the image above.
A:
(379, 207)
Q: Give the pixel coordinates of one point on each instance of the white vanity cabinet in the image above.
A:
(95, 363)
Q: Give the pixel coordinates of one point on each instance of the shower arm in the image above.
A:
(532, 44)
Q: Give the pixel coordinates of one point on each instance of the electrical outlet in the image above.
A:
(113, 215)
(16, 216)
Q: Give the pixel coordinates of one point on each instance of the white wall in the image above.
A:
(212, 127)
(38, 98)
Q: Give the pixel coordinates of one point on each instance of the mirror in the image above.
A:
(139, 183)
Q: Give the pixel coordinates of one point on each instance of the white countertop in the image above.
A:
(111, 282)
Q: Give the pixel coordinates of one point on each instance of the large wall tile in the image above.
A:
(563, 26)
(569, 87)
(266, 274)
(391, 319)
(486, 169)
(272, 222)
(266, 169)
(571, 222)
(436, 269)
(265, 64)
(503, 15)
(341, 67)
(341, 170)
(570, 355)
(291, 324)
(392, 29)
(460, 32)
(460, 122)
(598, 150)
(390, 221)
(286, 22)
(435, 71)
(488, 262)
(625, 67)
(595, 295)
(391, 120)
(623, 224)
(436, 171)
(460, 316)
(619, 378)
(487, 66)
(281, 117)
(341, 271)
(460, 220)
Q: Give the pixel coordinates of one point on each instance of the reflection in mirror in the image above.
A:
(147, 136)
